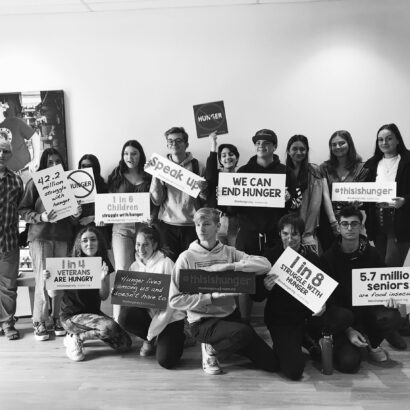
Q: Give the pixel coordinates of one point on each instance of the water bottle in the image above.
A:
(326, 344)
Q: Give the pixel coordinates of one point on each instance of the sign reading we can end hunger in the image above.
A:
(363, 191)
(375, 286)
(251, 189)
(74, 273)
(55, 192)
(82, 184)
(142, 289)
(122, 208)
(210, 117)
(303, 280)
(175, 175)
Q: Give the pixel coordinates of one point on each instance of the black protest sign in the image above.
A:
(141, 289)
(210, 117)
(229, 281)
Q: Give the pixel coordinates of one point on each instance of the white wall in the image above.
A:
(308, 68)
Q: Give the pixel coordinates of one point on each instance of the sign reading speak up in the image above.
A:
(210, 117)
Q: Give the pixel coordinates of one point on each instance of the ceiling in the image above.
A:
(10, 7)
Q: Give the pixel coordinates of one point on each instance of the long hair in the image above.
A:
(302, 178)
(353, 158)
(102, 246)
(153, 234)
(117, 175)
(95, 165)
(395, 130)
(44, 158)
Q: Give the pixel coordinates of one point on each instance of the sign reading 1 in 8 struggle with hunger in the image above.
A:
(251, 189)
(210, 117)
(363, 191)
(122, 208)
(375, 286)
(303, 280)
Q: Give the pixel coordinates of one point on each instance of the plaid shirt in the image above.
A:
(11, 192)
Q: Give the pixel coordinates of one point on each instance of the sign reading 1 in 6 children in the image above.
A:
(303, 280)
(363, 191)
(74, 273)
(55, 192)
(122, 208)
(375, 286)
(251, 189)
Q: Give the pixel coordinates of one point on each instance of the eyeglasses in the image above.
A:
(353, 224)
(176, 141)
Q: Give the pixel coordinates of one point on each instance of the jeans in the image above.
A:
(41, 249)
(9, 265)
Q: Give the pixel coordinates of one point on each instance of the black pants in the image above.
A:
(255, 243)
(170, 342)
(230, 335)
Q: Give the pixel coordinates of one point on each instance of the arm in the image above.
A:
(251, 263)
(27, 205)
(105, 282)
(327, 203)
(158, 191)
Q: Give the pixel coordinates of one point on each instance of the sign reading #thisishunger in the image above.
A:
(363, 191)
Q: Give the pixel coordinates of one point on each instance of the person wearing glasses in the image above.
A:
(370, 324)
(176, 208)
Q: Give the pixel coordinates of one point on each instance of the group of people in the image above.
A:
(196, 233)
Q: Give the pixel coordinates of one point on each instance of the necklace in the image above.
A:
(390, 164)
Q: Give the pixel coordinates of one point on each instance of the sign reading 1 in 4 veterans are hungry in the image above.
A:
(175, 175)
(203, 281)
(82, 184)
(55, 192)
(142, 289)
(363, 191)
(303, 280)
(122, 208)
(74, 273)
(266, 190)
(210, 117)
(375, 286)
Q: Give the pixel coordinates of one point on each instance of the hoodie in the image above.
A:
(158, 263)
(176, 207)
(201, 305)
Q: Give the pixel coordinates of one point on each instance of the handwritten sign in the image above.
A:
(142, 289)
(266, 190)
(74, 273)
(55, 192)
(363, 191)
(203, 281)
(175, 175)
(210, 117)
(122, 208)
(82, 184)
(303, 280)
(375, 286)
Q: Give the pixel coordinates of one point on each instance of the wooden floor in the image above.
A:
(37, 375)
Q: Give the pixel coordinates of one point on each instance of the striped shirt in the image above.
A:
(11, 192)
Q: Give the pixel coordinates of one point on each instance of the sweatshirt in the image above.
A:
(158, 263)
(201, 305)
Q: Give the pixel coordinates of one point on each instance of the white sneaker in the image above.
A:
(74, 347)
(378, 354)
(210, 362)
(147, 348)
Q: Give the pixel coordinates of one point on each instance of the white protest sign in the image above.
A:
(55, 192)
(251, 189)
(175, 175)
(375, 286)
(363, 191)
(303, 280)
(122, 208)
(83, 185)
(74, 273)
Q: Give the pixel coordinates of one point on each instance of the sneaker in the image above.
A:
(210, 362)
(147, 348)
(40, 331)
(74, 348)
(58, 328)
(396, 340)
(377, 354)
(11, 332)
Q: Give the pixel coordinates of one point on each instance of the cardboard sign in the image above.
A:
(266, 190)
(74, 273)
(141, 289)
(55, 192)
(122, 208)
(375, 286)
(210, 117)
(175, 175)
(203, 281)
(363, 191)
(303, 280)
(82, 184)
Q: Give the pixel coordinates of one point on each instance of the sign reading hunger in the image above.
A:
(210, 117)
